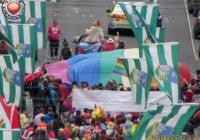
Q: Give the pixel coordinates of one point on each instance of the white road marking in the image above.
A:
(76, 10)
(113, 2)
(76, 37)
(190, 31)
(83, 15)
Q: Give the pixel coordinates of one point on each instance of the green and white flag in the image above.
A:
(148, 11)
(3, 19)
(9, 134)
(162, 60)
(140, 78)
(143, 37)
(4, 36)
(36, 14)
(12, 79)
(153, 1)
(129, 13)
(53, 0)
(164, 120)
(23, 37)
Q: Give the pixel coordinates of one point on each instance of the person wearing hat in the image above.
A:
(61, 135)
(95, 33)
(66, 52)
(111, 44)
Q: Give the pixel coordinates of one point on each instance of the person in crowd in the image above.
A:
(50, 132)
(120, 135)
(159, 19)
(95, 33)
(37, 119)
(111, 44)
(43, 93)
(53, 100)
(84, 85)
(111, 130)
(189, 128)
(68, 103)
(34, 134)
(53, 36)
(61, 135)
(86, 113)
(65, 115)
(67, 130)
(24, 120)
(29, 129)
(49, 115)
(102, 135)
(63, 91)
(128, 127)
(196, 120)
(121, 45)
(66, 52)
(128, 89)
(42, 122)
(103, 124)
(56, 124)
(42, 135)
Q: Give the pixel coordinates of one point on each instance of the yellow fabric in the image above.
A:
(23, 121)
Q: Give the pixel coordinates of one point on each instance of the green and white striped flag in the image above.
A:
(3, 19)
(164, 120)
(153, 1)
(162, 60)
(53, 0)
(148, 11)
(9, 134)
(23, 37)
(139, 77)
(12, 79)
(4, 36)
(143, 37)
(36, 14)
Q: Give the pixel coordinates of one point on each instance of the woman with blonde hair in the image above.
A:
(95, 33)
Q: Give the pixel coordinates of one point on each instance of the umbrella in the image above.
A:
(31, 77)
(184, 73)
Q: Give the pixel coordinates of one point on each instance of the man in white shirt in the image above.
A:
(37, 119)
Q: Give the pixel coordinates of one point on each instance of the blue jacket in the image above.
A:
(41, 84)
(48, 118)
(54, 96)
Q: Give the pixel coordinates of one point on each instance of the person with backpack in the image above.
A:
(66, 52)
(43, 93)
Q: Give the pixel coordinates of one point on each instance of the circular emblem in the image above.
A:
(13, 9)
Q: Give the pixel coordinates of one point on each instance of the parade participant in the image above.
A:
(111, 44)
(66, 52)
(63, 91)
(53, 37)
(159, 19)
(95, 33)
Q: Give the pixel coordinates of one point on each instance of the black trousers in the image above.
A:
(54, 44)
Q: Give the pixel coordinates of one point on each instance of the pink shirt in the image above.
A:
(51, 134)
(54, 32)
(63, 92)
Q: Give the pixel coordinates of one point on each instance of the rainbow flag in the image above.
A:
(119, 68)
(2, 124)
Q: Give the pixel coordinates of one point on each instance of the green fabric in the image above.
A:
(106, 72)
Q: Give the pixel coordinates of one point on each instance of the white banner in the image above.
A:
(115, 100)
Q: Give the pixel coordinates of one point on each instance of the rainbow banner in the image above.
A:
(119, 68)
(2, 124)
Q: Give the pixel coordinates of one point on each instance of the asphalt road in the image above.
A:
(74, 16)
